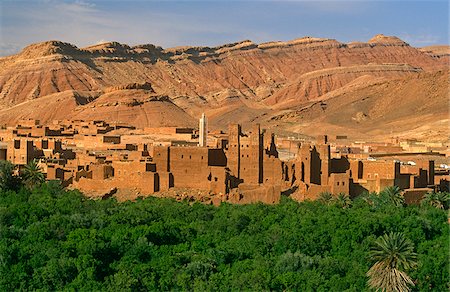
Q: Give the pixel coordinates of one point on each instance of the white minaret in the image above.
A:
(203, 131)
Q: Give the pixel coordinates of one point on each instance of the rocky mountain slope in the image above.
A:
(409, 107)
(243, 82)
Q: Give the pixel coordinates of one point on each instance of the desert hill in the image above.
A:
(138, 107)
(409, 107)
(240, 82)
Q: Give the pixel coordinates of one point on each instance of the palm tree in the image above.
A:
(32, 174)
(393, 195)
(438, 200)
(8, 181)
(369, 198)
(394, 255)
(325, 198)
(343, 200)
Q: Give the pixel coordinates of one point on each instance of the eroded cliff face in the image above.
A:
(243, 80)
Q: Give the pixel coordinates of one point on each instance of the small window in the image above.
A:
(182, 156)
(343, 183)
(337, 183)
(190, 157)
(247, 155)
(202, 157)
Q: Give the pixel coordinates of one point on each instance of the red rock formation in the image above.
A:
(242, 81)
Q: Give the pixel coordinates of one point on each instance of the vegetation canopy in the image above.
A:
(53, 239)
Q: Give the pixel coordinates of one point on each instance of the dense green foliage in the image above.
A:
(53, 239)
(8, 179)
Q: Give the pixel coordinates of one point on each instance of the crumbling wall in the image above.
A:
(250, 193)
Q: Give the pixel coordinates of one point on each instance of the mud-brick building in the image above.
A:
(242, 172)
(253, 164)
(316, 172)
(22, 151)
(191, 167)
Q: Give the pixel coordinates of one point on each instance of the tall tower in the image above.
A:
(234, 149)
(203, 131)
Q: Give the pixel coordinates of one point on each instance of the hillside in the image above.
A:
(412, 107)
(441, 52)
(138, 107)
(239, 82)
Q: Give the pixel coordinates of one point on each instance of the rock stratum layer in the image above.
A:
(273, 83)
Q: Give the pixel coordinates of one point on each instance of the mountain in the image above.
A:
(240, 82)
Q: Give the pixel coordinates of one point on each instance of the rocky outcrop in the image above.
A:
(437, 51)
(145, 85)
(381, 39)
(441, 53)
(48, 49)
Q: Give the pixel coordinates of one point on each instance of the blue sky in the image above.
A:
(210, 23)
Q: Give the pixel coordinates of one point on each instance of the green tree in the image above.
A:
(326, 198)
(369, 198)
(392, 194)
(8, 180)
(343, 201)
(438, 200)
(32, 174)
(393, 255)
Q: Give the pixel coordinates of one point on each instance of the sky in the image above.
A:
(216, 22)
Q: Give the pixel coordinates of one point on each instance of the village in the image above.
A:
(237, 166)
